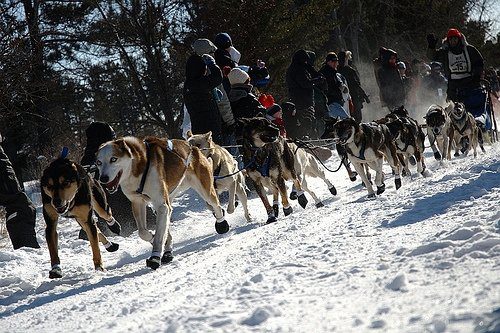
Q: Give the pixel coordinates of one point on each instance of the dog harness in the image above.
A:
(462, 130)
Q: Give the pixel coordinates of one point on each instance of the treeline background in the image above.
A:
(66, 63)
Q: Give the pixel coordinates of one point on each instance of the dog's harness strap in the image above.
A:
(146, 169)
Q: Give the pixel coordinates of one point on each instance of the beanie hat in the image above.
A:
(453, 33)
(222, 40)
(271, 111)
(332, 56)
(237, 75)
(203, 46)
(266, 100)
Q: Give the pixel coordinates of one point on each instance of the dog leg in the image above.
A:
(101, 207)
(360, 169)
(167, 255)
(232, 191)
(276, 207)
(139, 212)
(306, 188)
(242, 196)
(51, 217)
(259, 188)
(287, 209)
(163, 213)
(394, 163)
(319, 172)
(432, 140)
(88, 224)
(474, 142)
(301, 197)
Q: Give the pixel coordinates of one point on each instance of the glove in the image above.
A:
(431, 41)
(208, 59)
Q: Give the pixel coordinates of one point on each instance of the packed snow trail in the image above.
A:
(422, 259)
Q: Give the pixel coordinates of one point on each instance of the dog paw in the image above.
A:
(153, 262)
(319, 205)
(167, 257)
(302, 200)
(381, 188)
(112, 247)
(353, 176)
(437, 156)
(333, 190)
(456, 154)
(293, 195)
(371, 195)
(114, 226)
(55, 272)
(222, 227)
(276, 209)
(99, 268)
(397, 182)
(287, 211)
(271, 219)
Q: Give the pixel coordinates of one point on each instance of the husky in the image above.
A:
(154, 171)
(465, 129)
(366, 144)
(408, 138)
(69, 191)
(439, 129)
(225, 167)
(269, 162)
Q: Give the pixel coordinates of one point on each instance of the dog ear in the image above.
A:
(208, 136)
(80, 171)
(122, 145)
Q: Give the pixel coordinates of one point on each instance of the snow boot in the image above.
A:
(153, 262)
(302, 200)
(287, 211)
(167, 257)
(55, 272)
(381, 188)
(333, 190)
(112, 247)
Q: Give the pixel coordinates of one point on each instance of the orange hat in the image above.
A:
(453, 33)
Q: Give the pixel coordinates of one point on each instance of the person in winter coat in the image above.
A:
(21, 213)
(358, 95)
(320, 90)
(300, 85)
(226, 55)
(434, 85)
(462, 63)
(275, 115)
(202, 77)
(391, 85)
(203, 46)
(243, 103)
(336, 87)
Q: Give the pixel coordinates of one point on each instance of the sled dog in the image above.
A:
(269, 162)
(69, 191)
(153, 171)
(226, 176)
(439, 129)
(366, 144)
(465, 129)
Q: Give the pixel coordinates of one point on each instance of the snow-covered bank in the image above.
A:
(423, 259)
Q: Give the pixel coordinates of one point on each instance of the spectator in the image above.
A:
(434, 85)
(226, 56)
(358, 95)
(336, 87)
(275, 115)
(319, 91)
(202, 77)
(390, 83)
(21, 213)
(243, 103)
(300, 85)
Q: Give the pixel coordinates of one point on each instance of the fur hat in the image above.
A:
(237, 75)
(203, 46)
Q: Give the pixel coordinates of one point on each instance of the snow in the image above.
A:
(421, 259)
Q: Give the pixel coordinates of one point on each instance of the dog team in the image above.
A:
(153, 171)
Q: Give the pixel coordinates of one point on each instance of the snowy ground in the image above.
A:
(423, 259)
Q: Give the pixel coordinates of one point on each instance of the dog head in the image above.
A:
(258, 131)
(341, 131)
(400, 111)
(329, 123)
(396, 128)
(457, 110)
(436, 119)
(61, 181)
(202, 141)
(112, 158)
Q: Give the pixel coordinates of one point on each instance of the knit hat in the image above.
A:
(203, 46)
(273, 109)
(237, 75)
(266, 100)
(222, 40)
(332, 56)
(453, 33)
